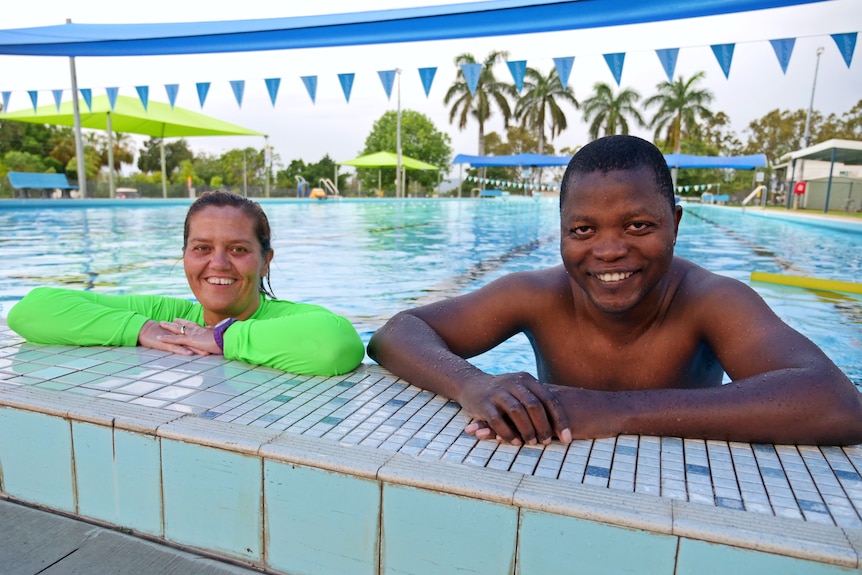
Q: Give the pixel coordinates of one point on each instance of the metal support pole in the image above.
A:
(398, 189)
(244, 175)
(164, 165)
(111, 185)
(806, 138)
(79, 143)
(267, 158)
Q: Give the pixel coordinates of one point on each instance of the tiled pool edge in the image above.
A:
(299, 504)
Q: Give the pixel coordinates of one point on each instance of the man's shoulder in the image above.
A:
(547, 280)
(701, 286)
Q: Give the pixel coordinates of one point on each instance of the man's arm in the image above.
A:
(427, 346)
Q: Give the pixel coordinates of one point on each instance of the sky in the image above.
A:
(298, 128)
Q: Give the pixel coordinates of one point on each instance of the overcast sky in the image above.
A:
(300, 129)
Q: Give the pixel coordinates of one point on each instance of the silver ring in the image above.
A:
(183, 330)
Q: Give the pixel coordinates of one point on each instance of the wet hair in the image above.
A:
(224, 198)
(619, 152)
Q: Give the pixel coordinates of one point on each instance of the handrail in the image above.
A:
(753, 193)
(330, 188)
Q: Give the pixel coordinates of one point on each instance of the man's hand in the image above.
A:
(179, 336)
(515, 408)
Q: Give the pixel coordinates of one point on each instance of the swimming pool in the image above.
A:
(368, 259)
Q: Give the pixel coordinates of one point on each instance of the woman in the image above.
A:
(226, 257)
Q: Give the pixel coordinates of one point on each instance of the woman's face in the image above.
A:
(224, 263)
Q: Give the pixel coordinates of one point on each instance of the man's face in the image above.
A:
(617, 236)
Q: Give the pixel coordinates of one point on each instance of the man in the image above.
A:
(628, 338)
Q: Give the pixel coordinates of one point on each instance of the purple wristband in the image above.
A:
(219, 329)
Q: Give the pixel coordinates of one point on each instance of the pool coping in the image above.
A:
(839, 546)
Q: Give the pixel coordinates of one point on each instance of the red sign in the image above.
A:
(799, 188)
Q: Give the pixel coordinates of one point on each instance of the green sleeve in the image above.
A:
(57, 316)
(297, 338)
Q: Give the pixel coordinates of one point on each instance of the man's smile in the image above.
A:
(611, 277)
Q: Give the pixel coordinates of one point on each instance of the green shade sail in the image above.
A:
(158, 120)
(387, 160)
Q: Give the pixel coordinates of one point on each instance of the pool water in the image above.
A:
(368, 259)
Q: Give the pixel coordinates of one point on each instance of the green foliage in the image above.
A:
(420, 140)
(489, 93)
(539, 105)
(23, 162)
(681, 105)
(608, 112)
(311, 173)
(175, 152)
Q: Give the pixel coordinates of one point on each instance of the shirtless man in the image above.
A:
(628, 338)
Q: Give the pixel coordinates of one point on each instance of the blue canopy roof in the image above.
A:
(532, 160)
(673, 160)
(467, 20)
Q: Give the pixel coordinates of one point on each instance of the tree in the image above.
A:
(539, 106)
(123, 149)
(777, 133)
(479, 104)
(175, 152)
(420, 139)
(607, 112)
(680, 106)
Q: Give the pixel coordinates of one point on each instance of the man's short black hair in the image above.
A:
(619, 153)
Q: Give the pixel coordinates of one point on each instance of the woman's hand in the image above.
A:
(179, 336)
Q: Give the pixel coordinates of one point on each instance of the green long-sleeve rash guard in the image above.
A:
(298, 338)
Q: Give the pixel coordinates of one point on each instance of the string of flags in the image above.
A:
(471, 72)
(507, 184)
(695, 188)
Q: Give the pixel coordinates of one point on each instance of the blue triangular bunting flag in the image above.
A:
(846, 45)
(346, 81)
(112, 96)
(310, 86)
(58, 98)
(518, 69)
(564, 68)
(783, 50)
(88, 97)
(172, 90)
(387, 78)
(34, 98)
(724, 55)
(667, 57)
(6, 96)
(615, 63)
(238, 87)
(272, 85)
(143, 95)
(427, 76)
(202, 88)
(471, 75)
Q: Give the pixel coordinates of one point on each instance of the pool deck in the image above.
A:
(364, 473)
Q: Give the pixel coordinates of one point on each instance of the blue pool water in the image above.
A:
(368, 259)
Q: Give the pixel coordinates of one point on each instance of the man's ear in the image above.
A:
(677, 216)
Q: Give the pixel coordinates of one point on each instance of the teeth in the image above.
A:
(614, 277)
(220, 281)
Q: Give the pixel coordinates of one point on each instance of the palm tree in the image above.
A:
(680, 105)
(538, 106)
(607, 112)
(478, 104)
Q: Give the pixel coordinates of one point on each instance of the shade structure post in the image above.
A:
(79, 142)
(110, 130)
(267, 159)
(399, 190)
(244, 175)
(164, 168)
